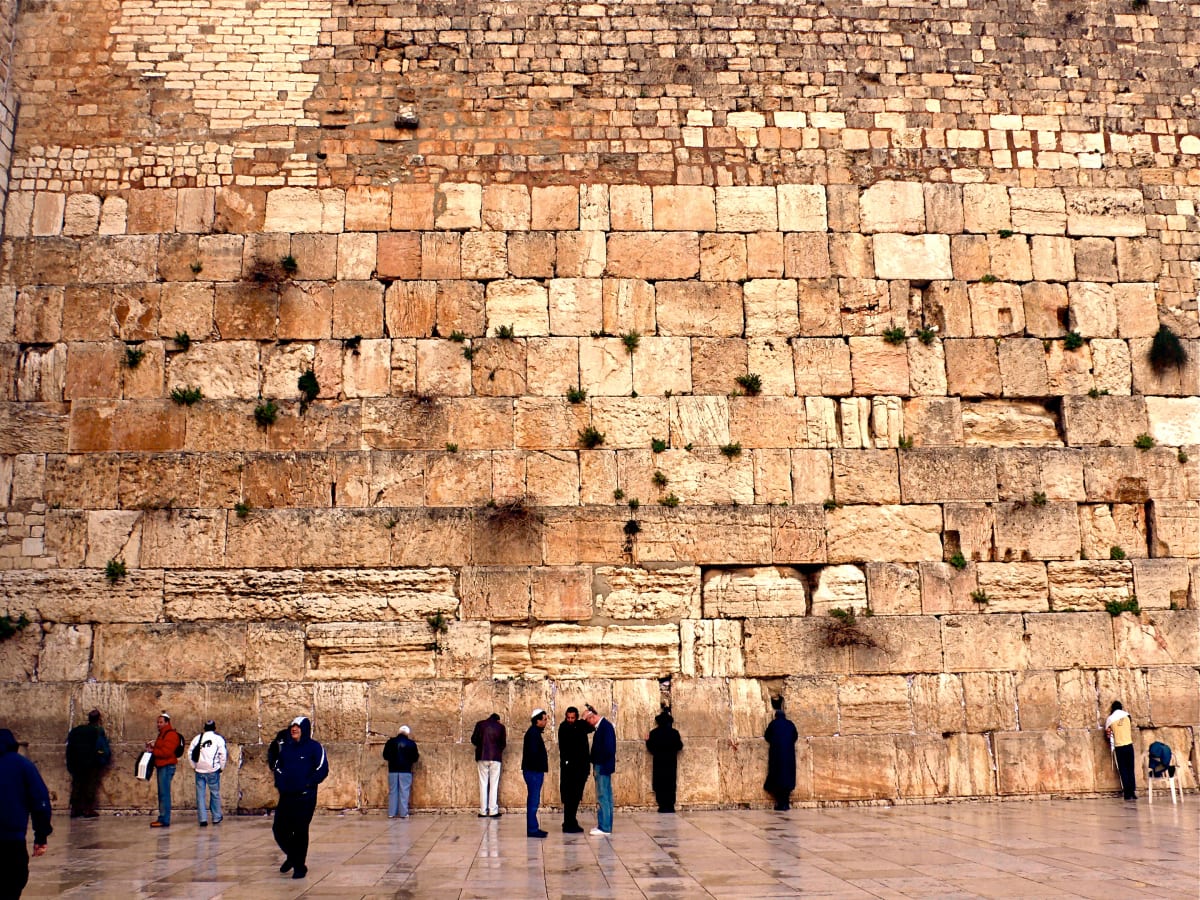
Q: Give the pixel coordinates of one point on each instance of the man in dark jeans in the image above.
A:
(300, 766)
(534, 766)
(574, 764)
(23, 795)
(88, 755)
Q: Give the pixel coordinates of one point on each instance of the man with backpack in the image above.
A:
(88, 755)
(401, 754)
(167, 748)
(208, 754)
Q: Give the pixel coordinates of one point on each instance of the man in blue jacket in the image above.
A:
(300, 765)
(23, 795)
(604, 763)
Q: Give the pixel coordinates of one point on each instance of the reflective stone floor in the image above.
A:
(1060, 848)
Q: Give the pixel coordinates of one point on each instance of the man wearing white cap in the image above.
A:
(534, 766)
(401, 754)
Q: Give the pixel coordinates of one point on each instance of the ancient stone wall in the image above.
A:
(401, 363)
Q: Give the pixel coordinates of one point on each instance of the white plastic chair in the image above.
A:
(1180, 765)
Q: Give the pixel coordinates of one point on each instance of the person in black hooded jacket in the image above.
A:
(23, 796)
(299, 765)
(664, 745)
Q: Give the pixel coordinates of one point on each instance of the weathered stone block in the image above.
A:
(1069, 640)
(884, 533)
(573, 651)
(937, 703)
(920, 257)
(903, 645)
(1041, 762)
(791, 646)
(745, 593)
(637, 593)
(1025, 532)
(199, 652)
(893, 589)
(975, 643)
(1014, 586)
(1106, 212)
(1161, 638)
(855, 768)
(710, 648)
(892, 206)
(879, 367)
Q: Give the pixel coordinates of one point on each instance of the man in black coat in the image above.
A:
(23, 796)
(781, 737)
(664, 744)
(401, 754)
(88, 755)
(300, 765)
(534, 766)
(574, 764)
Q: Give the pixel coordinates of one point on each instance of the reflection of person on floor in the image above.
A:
(534, 766)
(664, 744)
(401, 754)
(1119, 728)
(23, 796)
(573, 767)
(88, 755)
(781, 737)
(299, 767)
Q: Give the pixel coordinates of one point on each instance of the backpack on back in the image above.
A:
(1160, 760)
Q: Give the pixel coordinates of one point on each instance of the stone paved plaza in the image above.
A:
(1100, 848)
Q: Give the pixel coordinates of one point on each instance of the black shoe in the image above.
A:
(287, 866)
(203, 824)
(536, 834)
(300, 872)
(495, 815)
(572, 829)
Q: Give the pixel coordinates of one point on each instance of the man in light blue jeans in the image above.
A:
(207, 754)
(604, 763)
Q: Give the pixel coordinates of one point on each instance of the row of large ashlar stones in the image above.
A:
(759, 647)
(886, 207)
(581, 593)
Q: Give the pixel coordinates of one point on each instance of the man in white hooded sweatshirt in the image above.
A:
(207, 754)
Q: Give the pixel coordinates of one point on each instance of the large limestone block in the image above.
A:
(754, 592)
(19, 661)
(728, 535)
(990, 699)
(1104, 527)
(625, 592)
(653, 255)
(1105, 212)
(987, 208)
(938, 475)
(710, 647)
(701, 706)
(884, 533)
(573, 651)
(892, 206)
(1089, 584)
(1028, 532)
(1174, 421)
(1161, 583)
(432, 708)
(561, 593)
(746, 209)
(301, 210)
(789, 646)
(630, 422)
(222, 369)
(903, 645)
(874, 705)
(66, 653)
(1010, 423)
(854, 768)
(879, 367)
(1056, 473)
(971, 768)
(972, 368)
(79, 596)
(1175, 527)
(198, 652)
(1174, 695)
(996, 309)
(802, 207)
(519, 304)
(937, 703)
(1161, 638)
(1014, 586)
(767, 422)
(920, 257)
(741, 766)
(702, 310)
(822, 366)
(183, 537)
(1042, 762)
(971, 525)
(922, 766)
(700, 421)
(840, 587)
(326, 595)
(974, 643)
(1069, 640)
(771, 307)
(798, 533)
(945, 588)
(1038, 210)
(274, 651)
(933, 421)
(1093, 309)
(684, 208)
(893, 589)
(37, 712)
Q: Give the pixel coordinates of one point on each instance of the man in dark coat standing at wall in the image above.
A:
(781, 737)
(664, 744)
(604, 764)
(490, 738)
(573, 766)
(23, 796)
(534, 766)
(88, 755)
(299, 767)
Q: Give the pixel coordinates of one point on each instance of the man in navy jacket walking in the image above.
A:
(300, 765)
(604, 763)
(23, 795)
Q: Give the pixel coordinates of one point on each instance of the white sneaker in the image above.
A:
(601, 833)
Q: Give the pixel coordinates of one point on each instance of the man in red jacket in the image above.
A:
(167, 748)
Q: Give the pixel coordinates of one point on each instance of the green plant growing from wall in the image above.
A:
(451, 447)
(905, 442)
(659, 478)
(657, 445)
(187, 396)
(1182, 455)
(9, 627)
(842, 629)
(926, 334)
(438, 626)
(751, 384)
(634, 503)
(1073, 340)
(895, 335)
(183, 341)
(576, 395)
(731, 451)
(1116, 552)
(242, 509)
(631, 339)
(958, 560)
(114, 569)
(618, 494)
(505, 332)
(457, 336)
(134, 356)
(1143, 442)
(632, 527)
(989, 278)
(979, 596)
(591, 437)
(289, 265)
(197, 267)
(670, 501)
(266, 413)
(308, 386)
(1167, 351)
(1005, 232)
(1130, 605)
(830, 504)
(1039, 498)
